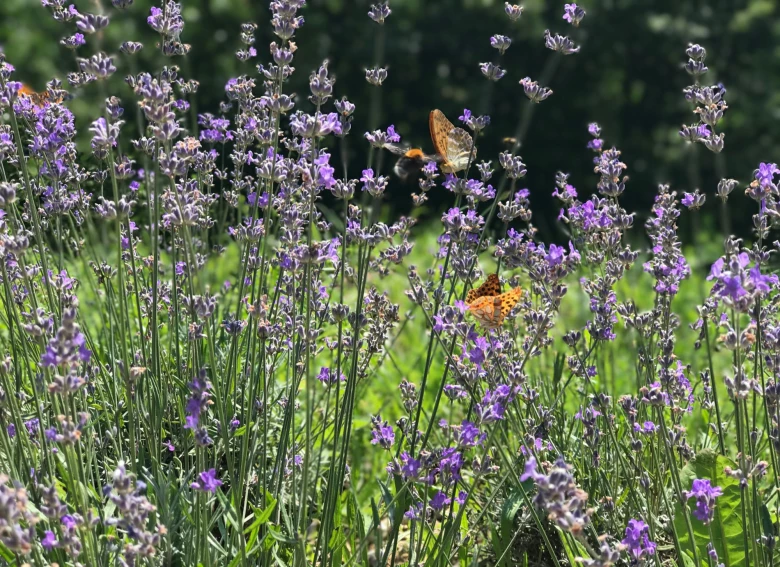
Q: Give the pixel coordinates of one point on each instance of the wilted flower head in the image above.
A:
(514, 11)
(560, 43)
(533, 91)
(379, 12)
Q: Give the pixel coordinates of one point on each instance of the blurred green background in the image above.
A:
(628, 77)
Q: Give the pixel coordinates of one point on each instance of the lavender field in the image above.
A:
(221, 347)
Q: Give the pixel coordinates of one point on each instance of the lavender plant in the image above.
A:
(155, 413)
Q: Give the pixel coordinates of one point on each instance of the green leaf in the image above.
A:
(262, 516)
(727, 532)
(509, 510)
(766, 521)
(6, 553)
(688, 560)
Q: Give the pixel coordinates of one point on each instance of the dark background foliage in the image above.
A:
(628, 77)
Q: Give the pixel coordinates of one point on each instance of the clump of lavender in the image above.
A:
(709, 101)
(559, 496)
(134, 516)
(17, 522)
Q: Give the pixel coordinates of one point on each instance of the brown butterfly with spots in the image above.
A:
(40, 99)
(488, 305)
(454, 145)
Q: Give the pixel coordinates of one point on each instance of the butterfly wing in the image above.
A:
(492, 286)
(509, 300)
(484, 310)
(491, 311)
(440, 129)
(460, 150)
(38, 99)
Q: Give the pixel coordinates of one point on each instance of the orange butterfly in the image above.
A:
(38, 99)
(454, 145)
(488, 305)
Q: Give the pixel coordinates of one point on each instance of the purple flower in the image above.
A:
(560, 43)
(328, 376)
(470, 435)
(49, 540)
(392, 135)
(374, 185)
(169, 22)
(379, 12)
(382, 434)
(533, 91)
(558, 494)
(414, 512)
(376, 76)
(705, 495)
(477, 123)
(737, 285)
(11, 430)
(693, 200)
(491, 71)
(197, 404)
(573, 14)
(477, 353)
(207, 481)
(514, 11)
(74, 41)
(637, 540)
(439, 501)
(410, 467)
(494, 403)
(597, 144)
(500, 42)
(32, 426)
(765, 174)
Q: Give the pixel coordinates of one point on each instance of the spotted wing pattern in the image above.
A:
(460, 151)
(454, 145)
(38, 99)
(491, 287)
(440, 129)
(491, 311)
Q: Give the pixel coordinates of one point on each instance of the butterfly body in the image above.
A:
(39, 99)
(488, 305)
(454, 145)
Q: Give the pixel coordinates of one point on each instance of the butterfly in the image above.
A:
(412, 160)
(454, 145)
(39, 99)
(488, 305)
